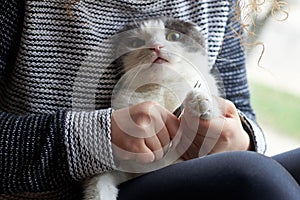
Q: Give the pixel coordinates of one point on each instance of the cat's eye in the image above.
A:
(173, 36)
(136, 42)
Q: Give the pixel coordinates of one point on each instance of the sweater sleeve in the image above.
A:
(49, 151)
(11, 20)
(33, 149)
(32, 152)
(230, 65)
(88, 143)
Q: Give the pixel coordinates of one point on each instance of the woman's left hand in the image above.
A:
(202, 137)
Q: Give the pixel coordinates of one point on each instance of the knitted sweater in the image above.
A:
(56, 82)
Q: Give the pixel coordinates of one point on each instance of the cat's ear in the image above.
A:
(197, 27)
(193, 24)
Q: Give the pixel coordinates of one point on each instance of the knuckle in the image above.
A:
(230, 104)
(148, 111)
(143, 119)
(230, 107)
(149, 104)
(137, 148)
(226, 135)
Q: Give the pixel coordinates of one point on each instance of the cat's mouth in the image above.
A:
(160, 60)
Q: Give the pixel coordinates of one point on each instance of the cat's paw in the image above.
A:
(102, 187)
(201, 104)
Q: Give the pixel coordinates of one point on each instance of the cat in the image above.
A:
(159, 60)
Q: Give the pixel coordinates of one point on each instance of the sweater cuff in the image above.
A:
(257, 138)
(88, 142)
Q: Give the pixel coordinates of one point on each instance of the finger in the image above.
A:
(227, 107)
(155, 147)
(213, 134)
(169, 130)
(164, 139)
(161, 129)
(135, 149)
(122, 154)
(187, 136)
(188, 147)
(172, 124)
(174, 131)
(203, 140)
(146, 157)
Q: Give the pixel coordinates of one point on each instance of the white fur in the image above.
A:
(169, 84)
(201, 104)
(103, 187)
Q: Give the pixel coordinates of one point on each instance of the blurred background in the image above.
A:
(275, 80)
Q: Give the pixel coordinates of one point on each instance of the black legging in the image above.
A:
(233, 175)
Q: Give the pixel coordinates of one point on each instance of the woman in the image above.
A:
(54, 133)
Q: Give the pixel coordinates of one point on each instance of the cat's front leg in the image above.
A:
(200, 103)
(104, 186)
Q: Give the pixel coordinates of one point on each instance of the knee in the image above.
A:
(246, 163)
(248, 157)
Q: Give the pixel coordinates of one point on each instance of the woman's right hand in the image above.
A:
(142, 132)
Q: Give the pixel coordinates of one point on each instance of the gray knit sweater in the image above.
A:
(56, 82)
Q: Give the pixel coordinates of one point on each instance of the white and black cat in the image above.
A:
(160, 60)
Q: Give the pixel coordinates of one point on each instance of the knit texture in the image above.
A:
(56, 83)
(85, 154)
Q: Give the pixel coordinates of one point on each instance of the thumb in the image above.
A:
(189, 120)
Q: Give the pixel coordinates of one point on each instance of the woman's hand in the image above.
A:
(225, 133)
(142, 132)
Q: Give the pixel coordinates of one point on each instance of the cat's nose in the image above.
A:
(156, 48)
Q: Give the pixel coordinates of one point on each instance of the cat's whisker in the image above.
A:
(144, 57)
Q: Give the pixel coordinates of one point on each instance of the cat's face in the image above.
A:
(159, 60)
(160, 42)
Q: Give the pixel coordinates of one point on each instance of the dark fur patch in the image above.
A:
(192, 40)
(188, 29)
